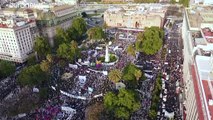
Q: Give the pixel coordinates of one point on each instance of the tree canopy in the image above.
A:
(115, 75)
(6, 68)
(68, 51)
(96, 33)
(155, 98)
(131, 74)
(79, 25)
(60, 37)
(42, 47)
(131, 50)
(150, 41)
(122, 104)
(32, 75)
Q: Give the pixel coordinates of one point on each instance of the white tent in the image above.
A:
(169, 115)
(73, 66)
(68, 109)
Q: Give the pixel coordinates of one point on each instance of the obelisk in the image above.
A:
(107, 53)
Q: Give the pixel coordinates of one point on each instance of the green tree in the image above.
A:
(150, 41)
(63, 50)
(79, 25)
(138, 74)
(131, 74)
(32, 75)
(42, 47)
(45, 66)
(122, 104)
(184, 2)
(49, 58)
(152, 114)
(96, 33)
(6, 68)
(72, 34)
(115, 75)
(60, 37)
(131, 50)
(74, 50)
(69, 51)
(31, 60)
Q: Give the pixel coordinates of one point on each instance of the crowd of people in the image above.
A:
(172, 76)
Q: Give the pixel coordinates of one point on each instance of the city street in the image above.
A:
(170, 106)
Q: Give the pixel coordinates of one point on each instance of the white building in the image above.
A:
(205, 2)
(197, 36)
(16, 38)
(135, 16)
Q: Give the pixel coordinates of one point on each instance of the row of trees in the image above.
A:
(6, 68)
(155, 98)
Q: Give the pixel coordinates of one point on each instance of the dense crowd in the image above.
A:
(172, 76)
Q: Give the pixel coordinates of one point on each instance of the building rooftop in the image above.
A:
(14, 22)
(208, 34)
(137, 9)
(61, 7)
(199, 14)
(203, 85)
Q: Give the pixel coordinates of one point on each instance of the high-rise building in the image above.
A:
(16, 38)
(48, 17)
(197, 34)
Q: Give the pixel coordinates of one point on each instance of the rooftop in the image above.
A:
(199, 14)
(204, 81)
(13, 22)
(61, 7)
(208, 34)
(136, 9)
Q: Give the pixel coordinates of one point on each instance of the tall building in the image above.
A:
(16, 38)
(197, 34)
(48, 17)
(58, 16)
(135, 16)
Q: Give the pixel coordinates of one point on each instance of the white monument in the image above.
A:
(107, 59)
(107, 53)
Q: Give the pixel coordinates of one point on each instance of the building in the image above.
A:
(48, 18)
(205, 2)
(197, 34)
(135, 16)
(58, 16)
(16, 38)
